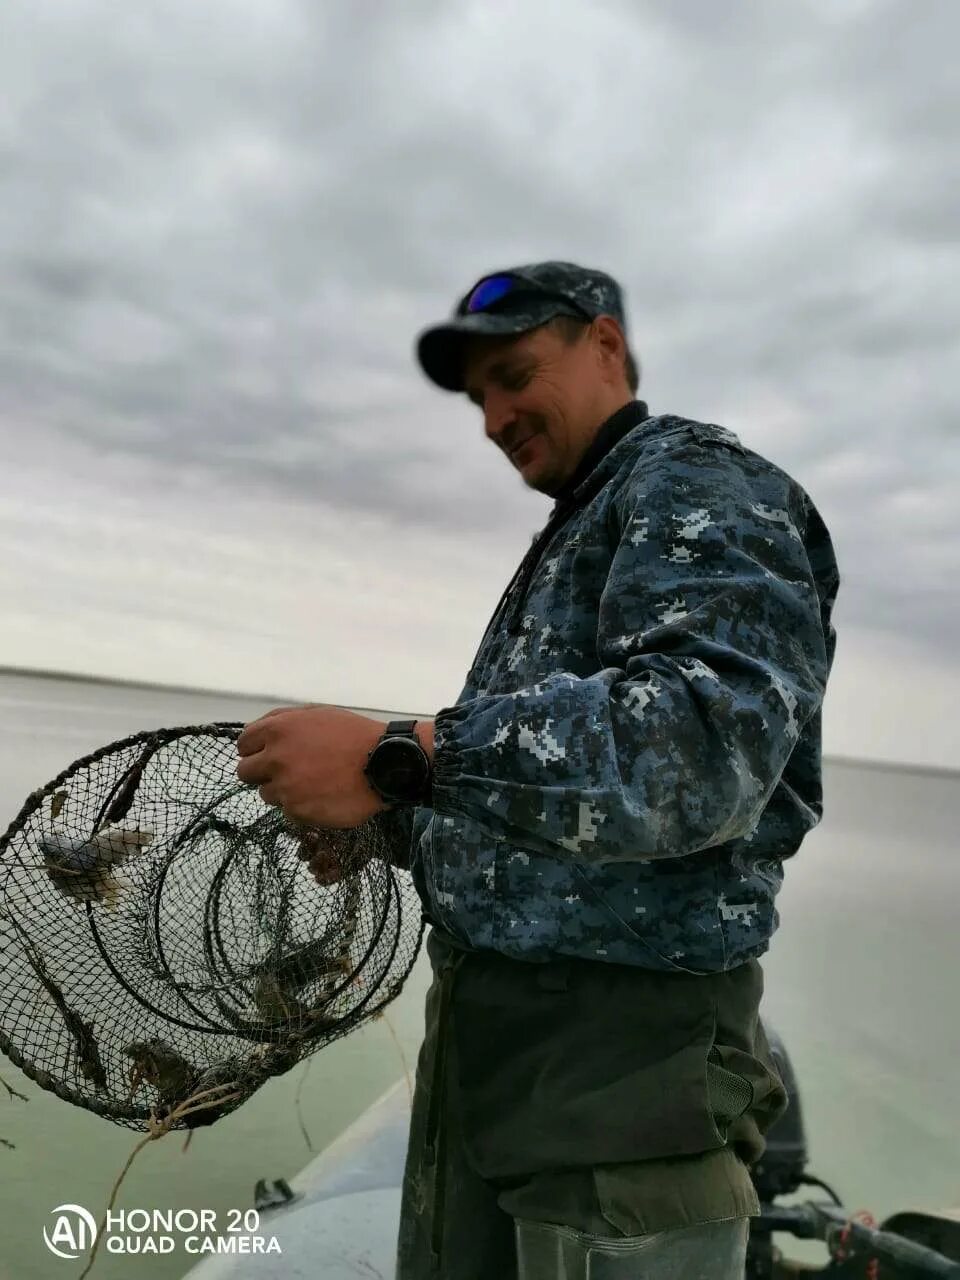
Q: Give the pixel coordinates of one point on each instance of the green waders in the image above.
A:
(583, 1121)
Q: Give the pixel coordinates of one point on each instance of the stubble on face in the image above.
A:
(536, 384)
(521, 385)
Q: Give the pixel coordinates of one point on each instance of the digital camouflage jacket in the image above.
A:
(637, 747)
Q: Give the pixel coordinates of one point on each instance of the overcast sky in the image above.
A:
(222, 226)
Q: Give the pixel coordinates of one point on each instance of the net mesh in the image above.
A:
(162, 937)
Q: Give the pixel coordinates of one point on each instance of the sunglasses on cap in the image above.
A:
(492, 289)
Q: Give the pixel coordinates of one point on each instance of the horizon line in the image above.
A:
(45, 673)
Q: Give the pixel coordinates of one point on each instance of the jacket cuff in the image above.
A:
(447, 770)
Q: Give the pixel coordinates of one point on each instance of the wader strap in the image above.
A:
(434, 1147)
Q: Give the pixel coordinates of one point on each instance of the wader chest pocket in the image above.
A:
(730, 1094)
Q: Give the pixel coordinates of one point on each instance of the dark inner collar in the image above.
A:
(610, 433)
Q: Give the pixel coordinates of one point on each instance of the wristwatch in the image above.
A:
(398, 768)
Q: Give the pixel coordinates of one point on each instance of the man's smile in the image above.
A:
(518, 448)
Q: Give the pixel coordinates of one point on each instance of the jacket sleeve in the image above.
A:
(712, 658)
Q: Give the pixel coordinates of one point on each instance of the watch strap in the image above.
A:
(400, 729)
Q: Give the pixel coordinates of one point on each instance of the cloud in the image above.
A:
(224, 225)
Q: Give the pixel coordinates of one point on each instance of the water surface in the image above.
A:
(861, 981)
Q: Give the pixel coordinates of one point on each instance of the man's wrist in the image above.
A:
(424, 731)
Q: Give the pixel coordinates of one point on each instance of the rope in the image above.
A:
(13, 1093)
(159, 1129)
(214, 1098)
(296, 1103)
(403, 1061)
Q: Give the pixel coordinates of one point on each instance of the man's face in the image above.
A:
(543, 400)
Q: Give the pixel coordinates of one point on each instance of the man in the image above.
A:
(597, 826)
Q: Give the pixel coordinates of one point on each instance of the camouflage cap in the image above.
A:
(516, 300)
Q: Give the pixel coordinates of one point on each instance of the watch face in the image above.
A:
(399, 768)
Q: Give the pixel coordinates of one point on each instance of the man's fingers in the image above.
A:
(253, 736)
(252, 770)
(270, 795)
(252, 740)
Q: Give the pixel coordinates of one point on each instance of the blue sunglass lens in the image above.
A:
(489, 291)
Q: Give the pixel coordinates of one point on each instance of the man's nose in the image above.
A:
(498, 419)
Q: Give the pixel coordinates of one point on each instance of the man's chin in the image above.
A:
(535, 472)
(539, 481)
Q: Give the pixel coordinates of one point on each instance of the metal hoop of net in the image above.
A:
(162, 939)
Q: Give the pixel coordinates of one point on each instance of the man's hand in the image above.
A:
(308, 761)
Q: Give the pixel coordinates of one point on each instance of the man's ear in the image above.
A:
(612, 343)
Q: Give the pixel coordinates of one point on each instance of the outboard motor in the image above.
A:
(908, 1245)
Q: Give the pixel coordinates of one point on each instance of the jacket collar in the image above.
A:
(608, 436)
(602, 459)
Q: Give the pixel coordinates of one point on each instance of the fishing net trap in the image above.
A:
(164, 947)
